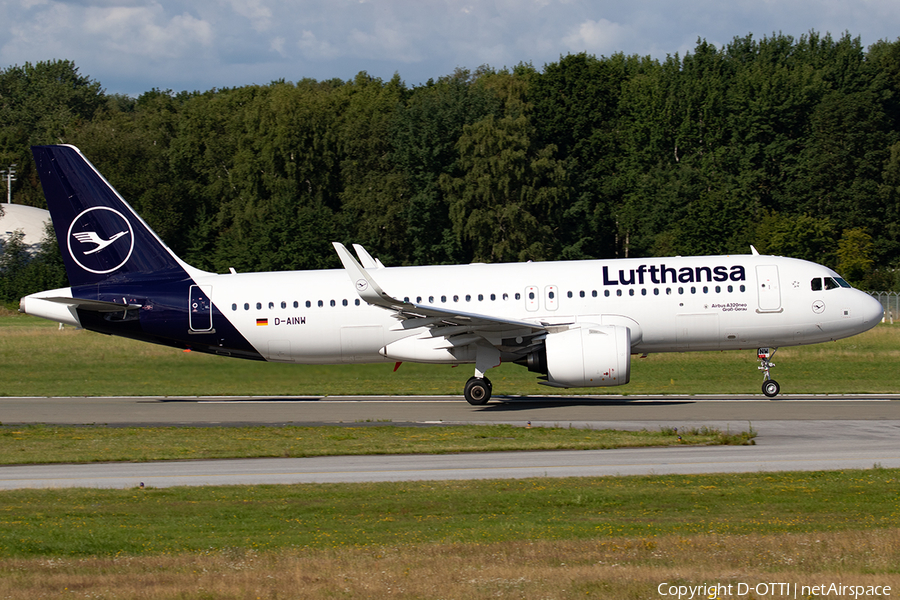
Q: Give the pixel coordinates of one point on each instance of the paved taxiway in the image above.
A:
(795, 433)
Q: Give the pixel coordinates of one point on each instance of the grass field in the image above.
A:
(86, 363)
(538, 538)
(535, 538)
(52, 444)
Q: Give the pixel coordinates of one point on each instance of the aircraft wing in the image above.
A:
(419, 315)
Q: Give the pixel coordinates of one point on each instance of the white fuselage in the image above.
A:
(670, 304)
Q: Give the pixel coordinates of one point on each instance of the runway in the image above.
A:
(795, 433)
(645, 411)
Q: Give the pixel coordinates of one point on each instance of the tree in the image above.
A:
(424, 134)
(806, 237)
(375, 195)
(14, 259)
(577, 105)
(854, 255)
(501, 204)
(23, 273)
(41, 103)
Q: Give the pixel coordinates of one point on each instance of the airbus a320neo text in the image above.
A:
(575, 323)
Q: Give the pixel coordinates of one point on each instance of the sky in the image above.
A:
(133, 46)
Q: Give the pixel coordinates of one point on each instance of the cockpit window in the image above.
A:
(831, 283)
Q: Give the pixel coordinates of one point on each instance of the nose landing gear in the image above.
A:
(770, 387)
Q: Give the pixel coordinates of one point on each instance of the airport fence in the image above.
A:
(891, 303)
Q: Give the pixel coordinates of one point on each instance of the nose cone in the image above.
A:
(871, 311)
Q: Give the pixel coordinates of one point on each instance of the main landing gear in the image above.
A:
(770, 387)
(478, 391)
(478, 388)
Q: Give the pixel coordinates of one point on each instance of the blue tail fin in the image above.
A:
(100, 236)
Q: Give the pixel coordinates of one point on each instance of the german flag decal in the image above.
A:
(260, 322)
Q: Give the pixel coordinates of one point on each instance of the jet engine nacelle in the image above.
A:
(592, 356)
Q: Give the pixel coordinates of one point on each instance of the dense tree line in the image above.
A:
(792, 145)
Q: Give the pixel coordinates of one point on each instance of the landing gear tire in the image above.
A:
(478, 391)
(770, 387)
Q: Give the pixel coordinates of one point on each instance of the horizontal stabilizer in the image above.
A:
(93, 305)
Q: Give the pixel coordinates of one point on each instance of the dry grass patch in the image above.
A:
(606, 568)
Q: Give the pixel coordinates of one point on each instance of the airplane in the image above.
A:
(574, 323)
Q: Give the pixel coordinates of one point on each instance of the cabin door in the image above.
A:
(200, 308)
(768, 289)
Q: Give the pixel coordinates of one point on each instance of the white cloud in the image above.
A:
(254, 10)
(596, 37)
(277, 46)
(312, 47)
(147, 31)
(386, 40)
(62, 30)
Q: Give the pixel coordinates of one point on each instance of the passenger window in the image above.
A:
(234, 307)
(443, 298)
(344, 302)
(246, 306)
(506, 296)
(296, 304)
(518, 296)
(816, 284)
(581, 294)
(259, 306)
(569, 294)
(493, 297)
(332, 303)
(321, 304)
(271, 305)
(455, 298)
(356, 302)
(606, 293)
(308, 304)
(631, 291)
(430, 299)
(618, 292)
(593, 293)
(468, 297)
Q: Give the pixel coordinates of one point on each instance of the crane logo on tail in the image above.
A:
(91, 237)
(94, 240)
